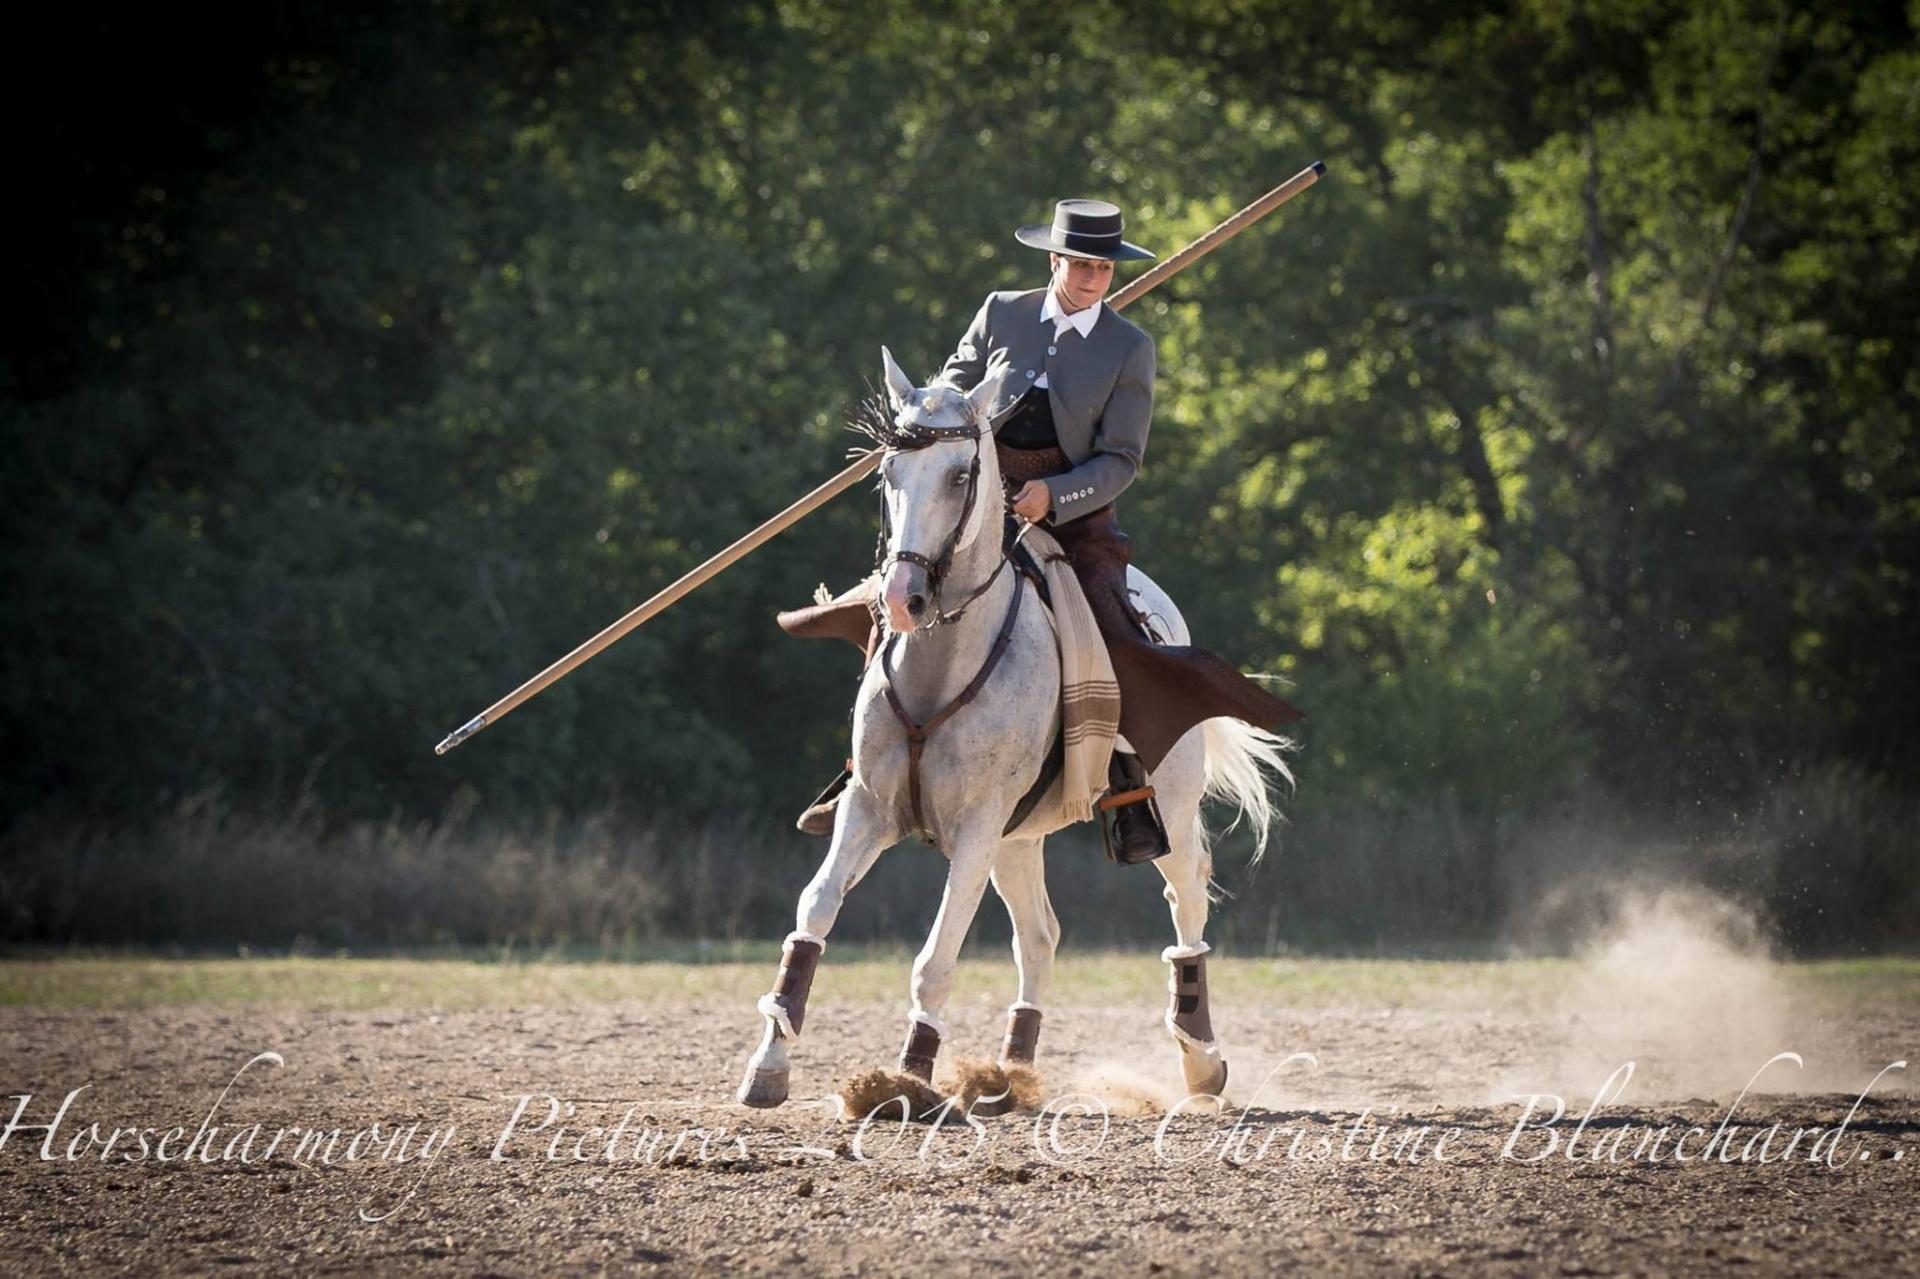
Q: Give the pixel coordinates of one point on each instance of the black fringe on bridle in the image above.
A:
(873, 421)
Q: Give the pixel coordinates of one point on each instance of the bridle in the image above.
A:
(911, 438)
(905, 438)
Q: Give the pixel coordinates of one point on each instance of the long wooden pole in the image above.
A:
(1164, 271)
(853, 474)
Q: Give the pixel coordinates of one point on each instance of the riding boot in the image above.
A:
(818, 819)
(1137, 834)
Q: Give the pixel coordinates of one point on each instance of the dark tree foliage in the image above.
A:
(1561, 443)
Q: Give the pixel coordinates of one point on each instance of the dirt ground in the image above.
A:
(1385, 1157)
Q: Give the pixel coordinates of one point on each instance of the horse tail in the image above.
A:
(1243, 765)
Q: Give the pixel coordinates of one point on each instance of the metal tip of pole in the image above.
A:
(461, 734)
(1319, 168)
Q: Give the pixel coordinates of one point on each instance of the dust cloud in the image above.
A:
(1688, 987)
(1127, 1091)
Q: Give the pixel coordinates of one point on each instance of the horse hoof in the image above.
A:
(763, 1089)
(1205, 1071)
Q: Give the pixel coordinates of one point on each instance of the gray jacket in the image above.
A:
(1100, 386)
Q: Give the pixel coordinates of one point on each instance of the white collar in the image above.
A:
(1081, 321)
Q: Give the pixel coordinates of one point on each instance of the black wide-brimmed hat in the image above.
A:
(1083, 229)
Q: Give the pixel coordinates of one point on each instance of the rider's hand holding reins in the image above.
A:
(1033, 501)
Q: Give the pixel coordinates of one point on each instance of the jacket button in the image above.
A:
(1029, 375)
(1053, 350)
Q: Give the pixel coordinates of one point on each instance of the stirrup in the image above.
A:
(818, 817)
(1136, 809)
(1130, 801)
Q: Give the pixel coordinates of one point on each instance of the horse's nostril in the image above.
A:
(916, 605)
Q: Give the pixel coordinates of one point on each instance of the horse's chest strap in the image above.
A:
(917, 734)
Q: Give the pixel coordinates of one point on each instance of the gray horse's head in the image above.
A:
(942, 486)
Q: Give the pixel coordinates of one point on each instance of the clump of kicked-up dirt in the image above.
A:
(880, 1091)
(1015, 1087)
(975, 1086)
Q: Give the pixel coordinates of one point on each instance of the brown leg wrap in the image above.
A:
(1190, 998)
(1023, 1037)
(790, 989)
(923, 1045)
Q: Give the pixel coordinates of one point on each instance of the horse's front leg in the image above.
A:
(1020, 877)
(862, 830)
(971, 864)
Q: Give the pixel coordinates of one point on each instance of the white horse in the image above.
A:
(978, 755)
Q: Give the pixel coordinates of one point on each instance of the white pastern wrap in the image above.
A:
(1020, 1005)
(1172, 953)
(797, 935)
(1210, 1046)
(928, 1019)
(772, 1008)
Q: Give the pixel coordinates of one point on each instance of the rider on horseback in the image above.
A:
(1070, 426)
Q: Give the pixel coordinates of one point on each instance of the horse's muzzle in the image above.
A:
(908, 597)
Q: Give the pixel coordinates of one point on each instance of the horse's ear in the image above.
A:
(899, 386)
(982, 396)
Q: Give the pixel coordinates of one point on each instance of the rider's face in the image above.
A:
(1080, 282)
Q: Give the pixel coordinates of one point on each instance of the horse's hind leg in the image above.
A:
(1186, 870)
(859, 836)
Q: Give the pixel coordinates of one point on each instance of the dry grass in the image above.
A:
(1824, 860)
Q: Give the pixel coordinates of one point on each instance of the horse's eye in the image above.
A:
(959, 479)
